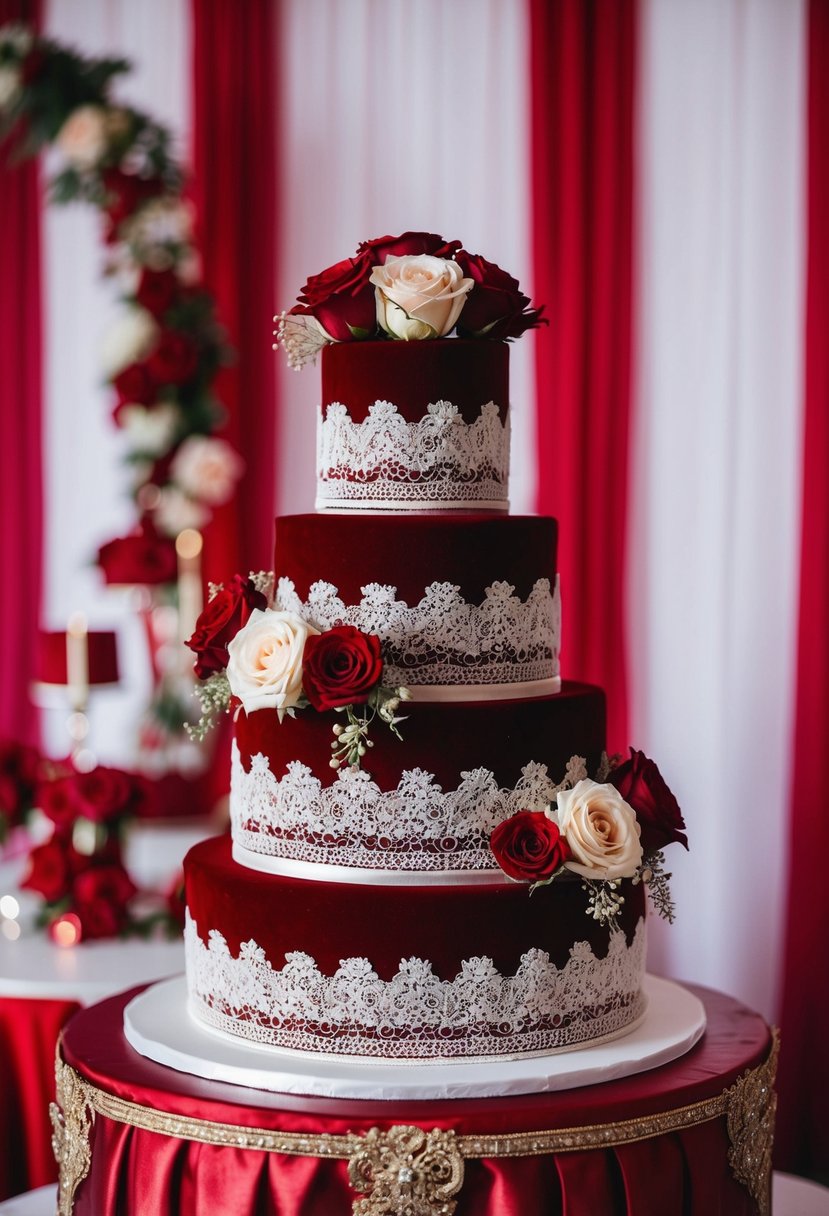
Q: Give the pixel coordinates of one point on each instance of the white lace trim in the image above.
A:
(440, 459)
(443, 639)
(353, 822)
(416, 1015)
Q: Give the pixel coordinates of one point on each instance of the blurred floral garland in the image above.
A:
(162, 356)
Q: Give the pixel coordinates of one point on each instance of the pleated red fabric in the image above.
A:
(234, 134)
(21, 507)
(803, 1124)
(583, 73)
(29, 1032)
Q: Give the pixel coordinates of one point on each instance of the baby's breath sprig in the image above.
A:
(263, 581)
(351, 742)
(213, 696)
(605, 902)
(653, 874)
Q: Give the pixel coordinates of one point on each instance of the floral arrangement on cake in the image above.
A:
(76, 823)
(411, 287)
(166, 348)
(254, 656)
(604, 831)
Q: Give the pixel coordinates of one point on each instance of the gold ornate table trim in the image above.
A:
(407, 1163)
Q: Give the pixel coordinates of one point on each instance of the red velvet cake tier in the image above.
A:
(413, 375)
(458, 601)
(406, 972)
(414, 426)
(428, 801)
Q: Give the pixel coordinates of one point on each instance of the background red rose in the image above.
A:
(49, 872)
(174, 359)
(59, 801)
(157, 289)
(340, 667)
(496, 307)
(104, 793)
(220, 621)
(19, 766)
(643, 787)
(135, 386)
(529, 846)
(144, 557)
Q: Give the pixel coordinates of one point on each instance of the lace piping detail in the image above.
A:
(443, 639)
(353, 822)
(440, 459)
(416, 1015)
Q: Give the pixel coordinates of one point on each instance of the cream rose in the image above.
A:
(601, 830)
(174, 512)
(419, 296)
(11, 81)
(131, 338)
(84, 136)
(207, 469)
(265, 660)
(150, 431)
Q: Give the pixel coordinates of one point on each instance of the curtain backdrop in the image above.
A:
(21, 494)
(803, 1121)
(583, 72)
(234, 160)
(715, 474)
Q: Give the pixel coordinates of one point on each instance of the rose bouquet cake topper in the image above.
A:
(411, 288)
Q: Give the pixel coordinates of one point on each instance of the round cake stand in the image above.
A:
(158, 1025)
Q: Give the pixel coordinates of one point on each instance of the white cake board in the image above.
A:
(157, 1023)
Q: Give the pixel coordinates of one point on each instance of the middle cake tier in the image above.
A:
(423, 807)
(466, 606)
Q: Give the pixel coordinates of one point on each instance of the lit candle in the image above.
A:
(77, 661)
(66, 930)
(188, 550)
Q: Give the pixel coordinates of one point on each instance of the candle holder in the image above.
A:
(70, 665)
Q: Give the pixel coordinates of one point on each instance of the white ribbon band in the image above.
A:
(315, 871)
(485, 692)
(371, 506)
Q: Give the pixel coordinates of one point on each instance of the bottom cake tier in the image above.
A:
(692, 1137)
(454, 972)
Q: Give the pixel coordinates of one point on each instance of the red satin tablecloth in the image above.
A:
(141, 1167)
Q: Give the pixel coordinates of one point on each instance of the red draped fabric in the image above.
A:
(582, 81)
(234, 125)
(150, 1174)
(21, 510)
(29, 1032)
(803, 1124)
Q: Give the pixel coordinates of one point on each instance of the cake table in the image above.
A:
(136, 1137)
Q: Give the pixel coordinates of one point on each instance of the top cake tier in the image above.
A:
(414, 426)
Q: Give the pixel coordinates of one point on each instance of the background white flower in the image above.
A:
(150, 430)
(207, 468)
(131, 338)
(84, 137)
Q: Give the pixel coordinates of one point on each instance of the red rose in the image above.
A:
(407, 245)
(529, 846)
(219, 623)
(643, 787)
(49, 872)
(59, 801)
(341, 298)
(134, 386)
(145, 558)
(19, 766)
(100, 895)
(125, 193)
(104, 793)
(174, 359)
(157, 290)
(340, 667)
(496, 307)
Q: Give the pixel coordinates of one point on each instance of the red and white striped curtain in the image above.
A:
(656, 173)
